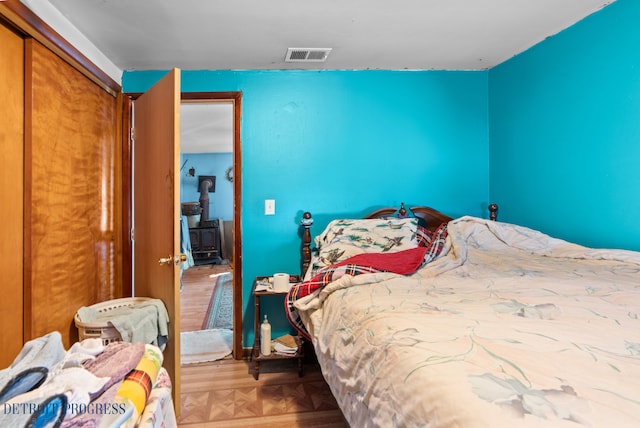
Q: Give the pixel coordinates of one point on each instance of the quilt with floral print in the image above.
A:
(508, 328)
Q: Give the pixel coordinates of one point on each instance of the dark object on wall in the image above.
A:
(211, 179)
(206, 184)
(493, 210)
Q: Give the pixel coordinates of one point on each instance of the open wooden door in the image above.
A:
(156, 203)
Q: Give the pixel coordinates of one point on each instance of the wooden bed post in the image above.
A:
(306, 222)
(402, 212)
(493, 212)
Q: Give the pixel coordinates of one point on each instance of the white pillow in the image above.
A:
(345, 238)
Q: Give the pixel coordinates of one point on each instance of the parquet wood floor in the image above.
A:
(225, 394)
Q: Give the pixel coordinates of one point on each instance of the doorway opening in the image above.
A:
(206, 197)
(234, 174)
(210, 148)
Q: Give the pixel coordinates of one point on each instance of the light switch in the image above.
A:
(269, 207)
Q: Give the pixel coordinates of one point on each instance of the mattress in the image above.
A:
(507, 327)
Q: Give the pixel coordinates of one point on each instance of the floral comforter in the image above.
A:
(509, 327)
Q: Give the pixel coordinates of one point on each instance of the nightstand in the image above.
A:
(256, 356)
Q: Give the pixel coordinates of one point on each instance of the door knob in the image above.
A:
(171, 259)
(166, 260)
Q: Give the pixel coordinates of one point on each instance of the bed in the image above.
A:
(419, 319)
(90, 385)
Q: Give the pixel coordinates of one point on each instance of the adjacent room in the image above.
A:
(206, 199)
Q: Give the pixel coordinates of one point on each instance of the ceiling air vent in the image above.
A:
(307, 54)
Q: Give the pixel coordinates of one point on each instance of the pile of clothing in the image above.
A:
(89, 386)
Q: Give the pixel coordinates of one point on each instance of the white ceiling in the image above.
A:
(206, 127)
(255, 35)
(364, 34)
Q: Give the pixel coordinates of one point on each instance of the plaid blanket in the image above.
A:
(430, 246)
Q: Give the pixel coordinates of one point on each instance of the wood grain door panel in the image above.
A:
(72, 196)
(11, 189)
(156, 207)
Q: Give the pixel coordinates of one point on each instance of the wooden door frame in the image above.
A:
(127, 220)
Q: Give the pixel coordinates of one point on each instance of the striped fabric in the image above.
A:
(137, 385)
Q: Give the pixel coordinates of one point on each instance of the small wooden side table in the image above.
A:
(256, 356)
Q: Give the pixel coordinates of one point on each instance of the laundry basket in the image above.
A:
(105, 330)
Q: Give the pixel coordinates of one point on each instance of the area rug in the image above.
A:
(220, 312)
(205, 345)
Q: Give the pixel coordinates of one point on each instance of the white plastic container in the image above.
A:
(265, 337)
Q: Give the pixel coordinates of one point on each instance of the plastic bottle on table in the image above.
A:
(265, 337)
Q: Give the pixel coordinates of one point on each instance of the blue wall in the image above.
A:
(216, 164)
(554, 133)
(343, 143)
(565, 132)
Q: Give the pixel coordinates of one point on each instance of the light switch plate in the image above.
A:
(269, 207)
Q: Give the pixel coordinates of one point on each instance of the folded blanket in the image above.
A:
(70, 385)
(118, 359)
(158, 411)
(137, 385)
(92, 346)
(111, 413)
(31, 367)
(76, 383)
(402, 262)
(46, 412)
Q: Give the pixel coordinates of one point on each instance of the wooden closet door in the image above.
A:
(73, 244)
(11, 191)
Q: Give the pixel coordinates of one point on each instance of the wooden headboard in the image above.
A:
(429, 218)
